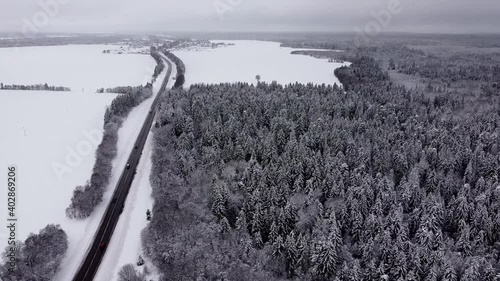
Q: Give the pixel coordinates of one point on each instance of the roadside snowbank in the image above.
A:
(125, 246)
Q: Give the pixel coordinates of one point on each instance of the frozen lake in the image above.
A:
(246, 59)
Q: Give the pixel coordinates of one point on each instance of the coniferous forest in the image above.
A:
(369, 181)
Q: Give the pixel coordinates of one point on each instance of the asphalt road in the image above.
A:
(96, 252)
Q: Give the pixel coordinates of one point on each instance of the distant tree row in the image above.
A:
(411, 61)
(121, 89)
(21, 40)
(87, 197)
(37, 87)
(313, 45)
(38, 258)
(181, 68)
(160, 65)
(467, 72)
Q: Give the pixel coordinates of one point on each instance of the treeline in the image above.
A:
(366, 74)
(320, 54)
(304, 182)
(160, 65)
(25, 40)
(121, 89)
(299, 44)
(448, 69)
(309, 44)
(87, 197)
(468, 64)
(470, 69)
(37, 87)
(181, 68)
(36, 259)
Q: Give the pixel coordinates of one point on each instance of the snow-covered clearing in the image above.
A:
(246, 59)
(39, 131)
(125, 246)
(79, 67)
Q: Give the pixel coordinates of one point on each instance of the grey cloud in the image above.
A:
(252, 15)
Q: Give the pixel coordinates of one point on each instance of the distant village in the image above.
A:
(193, 44)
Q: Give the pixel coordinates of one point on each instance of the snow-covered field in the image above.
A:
(42, 132)
(246, 59)
(79, 67)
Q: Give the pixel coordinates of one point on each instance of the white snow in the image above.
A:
(246, 59)
(125, 246)
(38, 130)
(80, 67)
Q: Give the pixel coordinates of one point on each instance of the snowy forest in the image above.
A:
(370, 181)
(38, 258)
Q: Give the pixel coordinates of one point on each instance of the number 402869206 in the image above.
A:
(11, 194)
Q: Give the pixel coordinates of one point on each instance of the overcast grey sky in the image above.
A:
(455, 16)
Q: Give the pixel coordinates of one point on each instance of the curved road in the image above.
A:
(94, 255)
